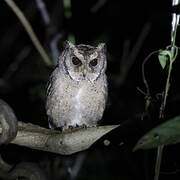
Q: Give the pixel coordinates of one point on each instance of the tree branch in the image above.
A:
(54, 47)
(44, 13)
(8, 123)
(24, 170)
(67, 142)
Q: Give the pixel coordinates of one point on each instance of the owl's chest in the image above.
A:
(79, 97)
(84, 96)
(77, 92)
(79, 103)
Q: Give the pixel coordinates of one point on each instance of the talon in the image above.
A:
(84, 126)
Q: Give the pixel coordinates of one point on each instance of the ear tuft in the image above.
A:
(68, 44)
(102, 48)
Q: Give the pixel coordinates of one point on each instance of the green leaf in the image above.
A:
(164, 134)
(163, 57)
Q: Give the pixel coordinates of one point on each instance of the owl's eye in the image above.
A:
(76, 61)
(93, 62)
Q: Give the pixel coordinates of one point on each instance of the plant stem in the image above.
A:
(161, 115)
(163, 104)
(158, 162)
(30, 31)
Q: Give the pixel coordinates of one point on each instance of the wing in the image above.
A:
(49, 86)
(50, 82)
(49, 91)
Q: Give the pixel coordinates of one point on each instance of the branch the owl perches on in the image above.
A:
(36, 137)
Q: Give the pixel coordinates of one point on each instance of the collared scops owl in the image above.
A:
(77, 90)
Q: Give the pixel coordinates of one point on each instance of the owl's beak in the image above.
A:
(84, 72)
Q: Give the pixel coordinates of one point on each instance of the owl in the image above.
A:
(77, 90)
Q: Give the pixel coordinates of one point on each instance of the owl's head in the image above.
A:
(84, 62)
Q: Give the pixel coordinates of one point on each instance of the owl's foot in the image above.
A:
(85, 126)
(69, 128)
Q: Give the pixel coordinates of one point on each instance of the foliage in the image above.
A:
(164, 134)
(24, 75)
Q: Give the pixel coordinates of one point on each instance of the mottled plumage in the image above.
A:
(77, 90)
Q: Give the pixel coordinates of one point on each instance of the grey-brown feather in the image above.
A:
(72, 98)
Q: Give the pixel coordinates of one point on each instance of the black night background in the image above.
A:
(131, 31)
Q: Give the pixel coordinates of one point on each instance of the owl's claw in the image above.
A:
(71, 128)
(68, 128)
(84, 126)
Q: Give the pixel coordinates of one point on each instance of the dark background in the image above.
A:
(23, 78)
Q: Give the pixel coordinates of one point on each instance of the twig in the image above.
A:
(143, 72)
(44, 13)
(126, 49)
(51, 30)
(128, 57)
(29, 30)
(77, 166)
(158, 161)
(15, 30)
(98, 5)
(139, 42)
(54, 47)
(3, 165)
(16, 63)
(8, 123)
(24, 170)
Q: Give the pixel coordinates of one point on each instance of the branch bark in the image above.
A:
(8, 123)
(67, 142)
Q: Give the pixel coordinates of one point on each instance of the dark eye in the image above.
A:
(76, 61)
(93, 62)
